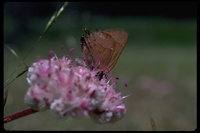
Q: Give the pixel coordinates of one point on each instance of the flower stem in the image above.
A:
(19, 115)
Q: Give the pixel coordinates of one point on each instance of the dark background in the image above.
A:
(24, 13)
(158, 62)
(176, 10)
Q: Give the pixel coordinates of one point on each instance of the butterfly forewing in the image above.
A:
(102, 49)
(119, 36)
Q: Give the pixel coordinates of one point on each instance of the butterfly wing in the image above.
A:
(120, 38)
(102, 49)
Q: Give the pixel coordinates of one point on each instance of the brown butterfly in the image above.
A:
(101, 49)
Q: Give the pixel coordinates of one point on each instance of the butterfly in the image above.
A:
(101, 49)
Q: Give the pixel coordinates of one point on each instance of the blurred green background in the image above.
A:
(158, 62)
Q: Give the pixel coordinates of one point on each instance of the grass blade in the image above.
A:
(22, 72)
(53, 19)
(12, 51)
(5, 98)
(153, 124)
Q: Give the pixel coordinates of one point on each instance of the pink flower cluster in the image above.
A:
(71, 89)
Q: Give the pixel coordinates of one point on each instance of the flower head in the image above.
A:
(71, 89)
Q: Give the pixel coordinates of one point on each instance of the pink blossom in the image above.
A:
(71, 89)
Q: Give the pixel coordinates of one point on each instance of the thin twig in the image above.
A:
(19, 115)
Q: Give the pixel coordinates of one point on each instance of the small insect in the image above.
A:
(101, 49)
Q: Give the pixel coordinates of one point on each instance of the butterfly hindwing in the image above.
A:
(101, 49)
